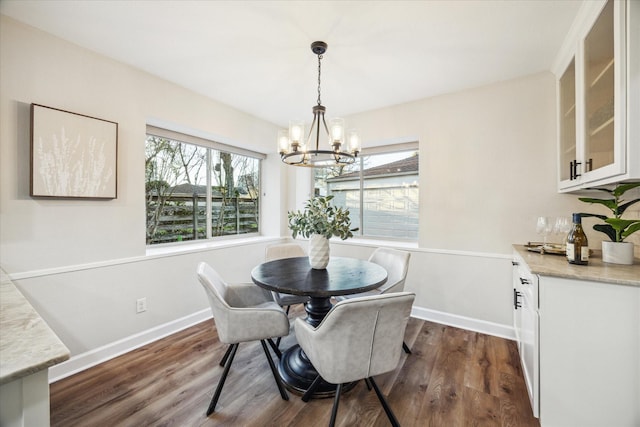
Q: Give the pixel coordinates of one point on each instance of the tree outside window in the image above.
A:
(195, 192)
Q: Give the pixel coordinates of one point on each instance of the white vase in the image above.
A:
(318, 251)
(617, 252)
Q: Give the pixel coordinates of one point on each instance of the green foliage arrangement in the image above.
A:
(616, 228)
(321, 217)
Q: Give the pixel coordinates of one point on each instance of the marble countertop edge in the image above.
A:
(27, 343)
(596, 270)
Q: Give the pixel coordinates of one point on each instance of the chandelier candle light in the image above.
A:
(296, 151)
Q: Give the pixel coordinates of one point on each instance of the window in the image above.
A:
(381, 191)
(198, 189)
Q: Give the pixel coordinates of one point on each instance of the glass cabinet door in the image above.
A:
(567, 122)
(599, 90)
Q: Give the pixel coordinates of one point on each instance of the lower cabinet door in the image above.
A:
(529, 352)
(589, 353)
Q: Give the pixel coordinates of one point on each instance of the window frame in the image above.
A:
(210, 145)
(400, 147)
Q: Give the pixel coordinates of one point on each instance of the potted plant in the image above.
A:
(319, 221)
(616, 250)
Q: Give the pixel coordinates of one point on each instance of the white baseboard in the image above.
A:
(476, 325)
(94, 357)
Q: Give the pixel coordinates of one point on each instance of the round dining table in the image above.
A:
(343, 276)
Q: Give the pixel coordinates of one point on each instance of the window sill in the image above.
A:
(205, 245)
(364, 241)
(360, 241)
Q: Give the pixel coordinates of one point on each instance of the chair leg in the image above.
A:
(366, 381)
(275, 348)
(283, 392)
(288, 308)
(405, 348)
(226, 355)
(312, 388)
(227, 365)
(334, 411)
(385, 405)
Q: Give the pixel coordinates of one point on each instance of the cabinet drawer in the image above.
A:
(528, 282)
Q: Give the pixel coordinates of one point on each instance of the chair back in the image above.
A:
(284, 250)
(280, 251)
(216, 289)
(396, 262)
(360, 337)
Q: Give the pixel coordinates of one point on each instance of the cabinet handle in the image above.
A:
(516, 303)
(573, 169)
(514, 263)
(589, 165)
(575, 173)
(571, 177)
(524, 281)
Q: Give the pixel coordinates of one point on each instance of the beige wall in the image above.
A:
(487, 162)
(38, 68)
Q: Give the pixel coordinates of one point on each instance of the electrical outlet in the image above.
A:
(141, 305)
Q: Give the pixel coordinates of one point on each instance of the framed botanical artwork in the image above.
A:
(72, 155)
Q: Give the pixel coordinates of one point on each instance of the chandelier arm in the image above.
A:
(318, 130)
(318, 136)
(313, 124)
(326, 128)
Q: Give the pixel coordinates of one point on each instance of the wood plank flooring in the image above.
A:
(453, 378)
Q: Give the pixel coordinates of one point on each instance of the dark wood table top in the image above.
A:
(343, 276)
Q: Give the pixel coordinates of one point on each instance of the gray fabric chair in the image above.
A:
(358, 338)
(242, 312)
(396, 263)
(280, 251)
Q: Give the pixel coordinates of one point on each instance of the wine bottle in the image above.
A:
(577, 245)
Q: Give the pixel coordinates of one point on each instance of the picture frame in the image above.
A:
(73, 156)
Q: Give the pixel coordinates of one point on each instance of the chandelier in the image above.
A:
(298, 150)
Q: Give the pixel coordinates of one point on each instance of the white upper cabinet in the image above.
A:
(599, 96)
(567, 123)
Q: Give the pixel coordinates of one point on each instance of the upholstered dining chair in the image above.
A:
(396, 262)
(358, 339)
(242, 312)
(280, 251)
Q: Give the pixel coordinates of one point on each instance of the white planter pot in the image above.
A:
(318, 251)
(617, 252)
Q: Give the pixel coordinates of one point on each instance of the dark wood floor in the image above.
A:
(453, 378)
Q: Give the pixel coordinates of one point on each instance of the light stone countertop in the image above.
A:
(27, 344)
(595, 271)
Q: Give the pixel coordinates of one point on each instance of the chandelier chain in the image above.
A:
(319, 72)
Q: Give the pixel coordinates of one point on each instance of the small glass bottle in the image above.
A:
(577, 245)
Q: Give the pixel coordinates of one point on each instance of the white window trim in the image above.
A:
(196, 140)
(209, 241)
(391, 148)
(411, 144)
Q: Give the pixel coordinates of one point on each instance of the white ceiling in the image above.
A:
(255, 55)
